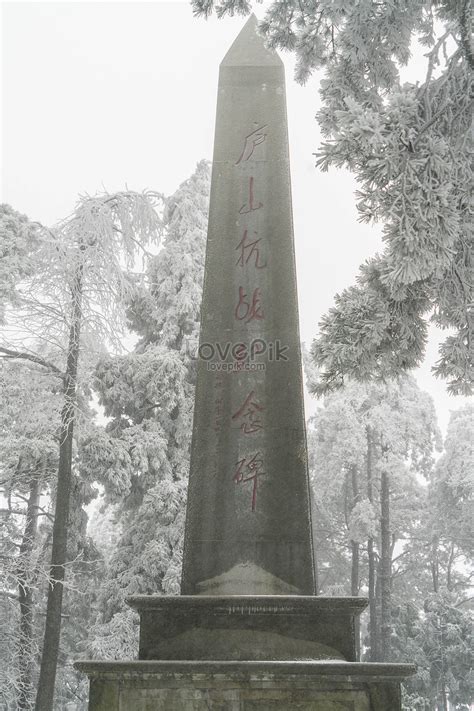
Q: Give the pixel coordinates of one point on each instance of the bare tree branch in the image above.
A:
(22, 355)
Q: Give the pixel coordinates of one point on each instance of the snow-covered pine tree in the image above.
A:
(30, 407)
(367, 446)
(439, 634)
(30, 404)
(148, 396)
(410, 147)
(430, 528)
(438, 638)
(445, 634)
(19, 241)
(452, 504)
(64, 304)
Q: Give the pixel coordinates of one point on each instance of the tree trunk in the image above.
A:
(435, 563)
(49, 659)
(355, 569)
(371, 558)
(25, 597)
(355, 583)
(378, 641)
(443, 699)
(449, 568)
(355, 592)
(355, 553)
(385, 568)
(372, 603)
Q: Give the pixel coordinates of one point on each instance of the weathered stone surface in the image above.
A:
(248, 627)
(104, 694)
(249, 686)
(248, 525)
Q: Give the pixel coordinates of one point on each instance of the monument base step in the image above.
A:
(244, 686)
(248, 627)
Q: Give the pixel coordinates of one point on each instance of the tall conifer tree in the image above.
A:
(143, 452)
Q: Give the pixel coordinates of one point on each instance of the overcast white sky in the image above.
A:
(107, 95)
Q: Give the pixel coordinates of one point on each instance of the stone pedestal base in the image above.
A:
(246, 653)
(244, 686)
(247, 627)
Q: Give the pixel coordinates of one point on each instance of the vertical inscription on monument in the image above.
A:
(248, 520)
(252, 466)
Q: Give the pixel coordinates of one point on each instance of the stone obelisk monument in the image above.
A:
(248, 528)
(248, 631)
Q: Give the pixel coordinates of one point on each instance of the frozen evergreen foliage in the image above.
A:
(410, 147)
(19, 238)
(143, 452)
(452, 499)
(82, 268)
(63, 305)
(440, 640)
(360, 433)
(396, 526)
(29, 417)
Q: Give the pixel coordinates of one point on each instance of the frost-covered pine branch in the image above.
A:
(410, 147)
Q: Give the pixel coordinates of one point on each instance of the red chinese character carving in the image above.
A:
(249, 249)
(249, 310)
(249, 470)
(251, 141)
(250, 206)
(250, 414)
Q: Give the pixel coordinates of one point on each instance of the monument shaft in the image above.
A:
(248, 528)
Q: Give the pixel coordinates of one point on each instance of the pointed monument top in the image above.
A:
(248, 49)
